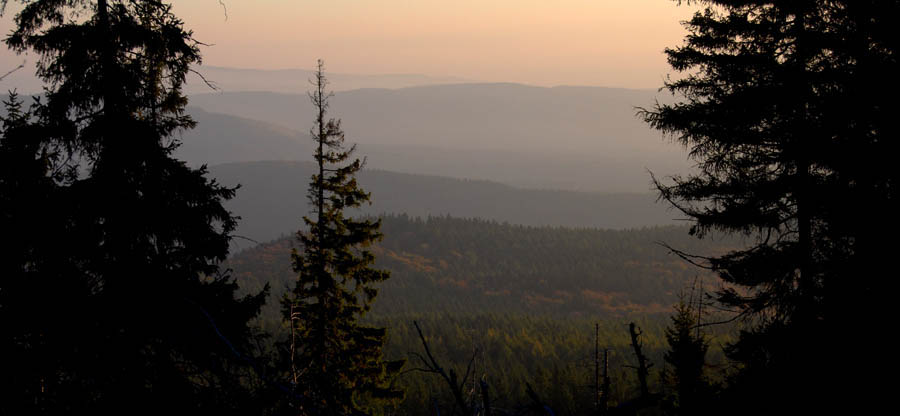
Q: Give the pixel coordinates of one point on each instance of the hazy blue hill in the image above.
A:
(478, 116)
(272, 200)
(574, 138)
(454, 134)
(221, 138)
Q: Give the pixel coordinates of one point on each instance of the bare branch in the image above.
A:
(245, 238)
(410, 370)
(469, 367)
(22, 65)
(450, 379)
(211, 84)
(224, 9)
(726, 321)
(690, 258)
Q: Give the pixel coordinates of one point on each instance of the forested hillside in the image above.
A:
(476, 266)
(554, 355)
(523, 299)
(489, 249)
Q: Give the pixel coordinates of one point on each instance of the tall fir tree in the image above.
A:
(114, 297)
(336, 361)
(784, 108)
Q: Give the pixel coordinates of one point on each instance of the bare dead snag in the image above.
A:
(604, 390)
(643, 368)
(431, 366)
(597, 387)
(485, 398)
(22, 65)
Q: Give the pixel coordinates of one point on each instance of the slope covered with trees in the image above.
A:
(509, 352)
(113, 299)
(523, 300)
(455, 265)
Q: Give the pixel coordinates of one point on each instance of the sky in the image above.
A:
(615, 43)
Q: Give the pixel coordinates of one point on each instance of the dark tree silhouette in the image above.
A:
(335, 360)
(686, 358)
(785, 107)
(111, 298)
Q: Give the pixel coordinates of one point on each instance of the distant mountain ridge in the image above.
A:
(574, 138)
(272, 200)
(497, 116)
(211, 78)
(221, 138)
(571, 138)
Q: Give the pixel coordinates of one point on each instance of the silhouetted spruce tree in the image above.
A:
(785, 107)
(112, 300)
(335, 360)
(686, 358)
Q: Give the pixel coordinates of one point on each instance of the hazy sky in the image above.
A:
(540, 42)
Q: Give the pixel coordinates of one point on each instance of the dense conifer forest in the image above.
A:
(523, 300)
(461, 266)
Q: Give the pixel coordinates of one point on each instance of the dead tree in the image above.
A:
(646, 399)
(604, 388)
(597, 369)
(643, 368)
(430, 365)
(485, 398)
(601, 379)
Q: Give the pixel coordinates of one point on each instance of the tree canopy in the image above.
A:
(784, 106)
(112, 290)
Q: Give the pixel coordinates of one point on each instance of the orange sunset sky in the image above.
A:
(540, 42)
